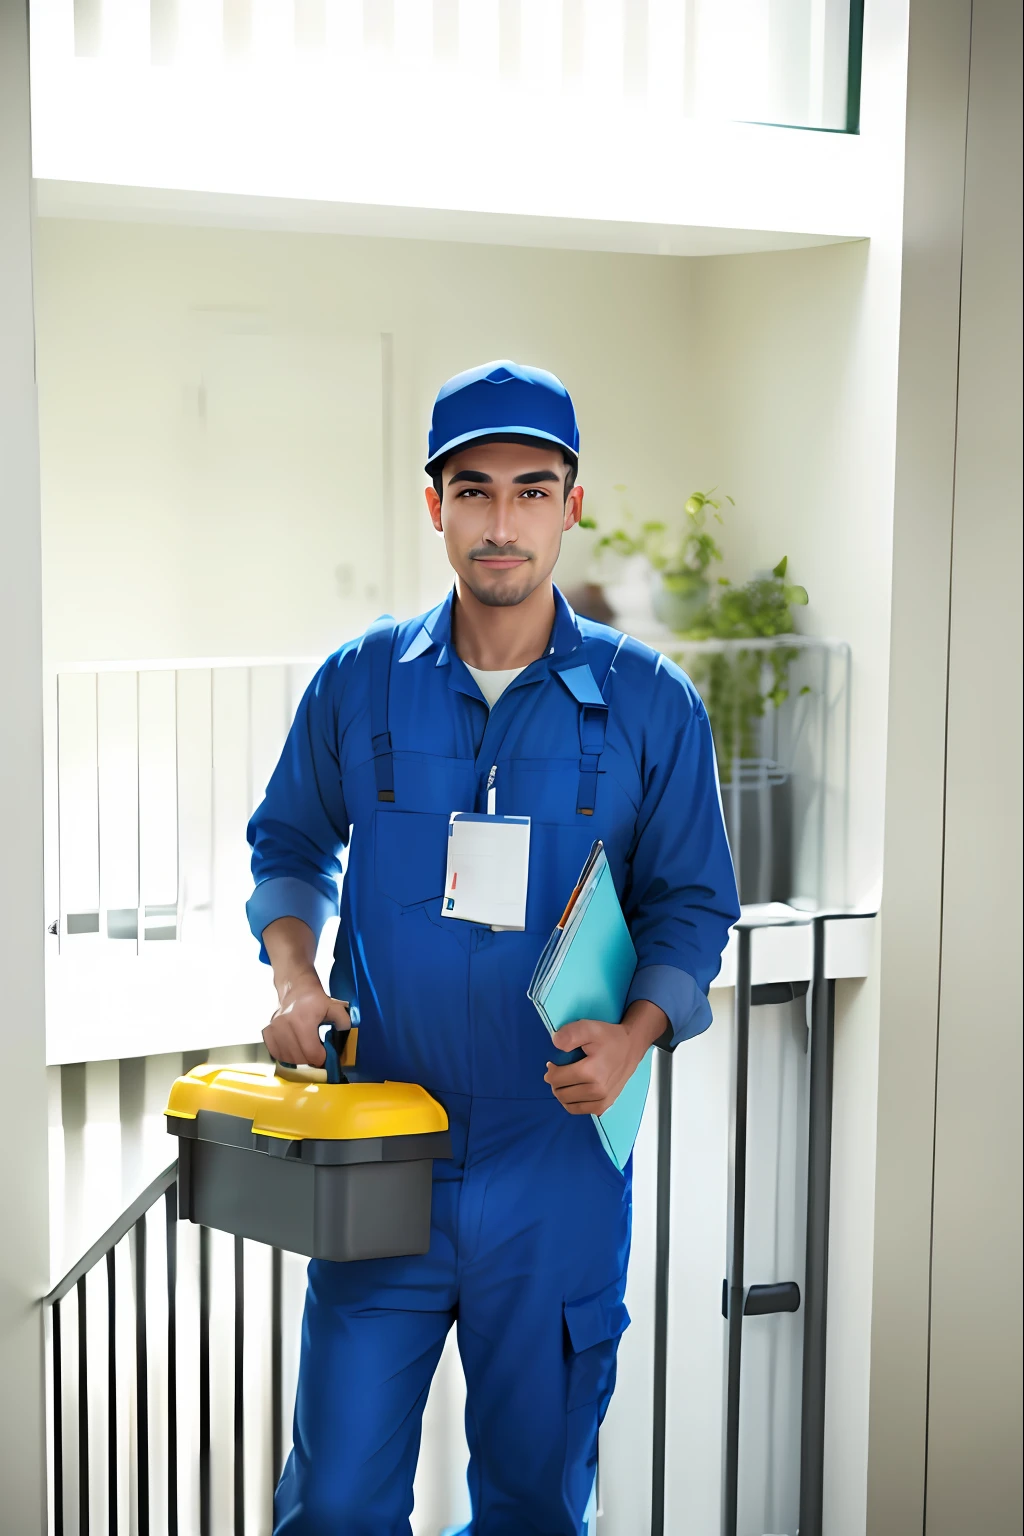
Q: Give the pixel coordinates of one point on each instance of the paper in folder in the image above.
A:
(585, 973)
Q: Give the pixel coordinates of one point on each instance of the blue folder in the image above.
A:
(584, 973)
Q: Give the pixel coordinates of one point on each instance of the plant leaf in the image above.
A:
(780, 569)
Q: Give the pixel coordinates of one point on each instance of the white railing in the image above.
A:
(326, 88)
(785, 63)
(153, 772)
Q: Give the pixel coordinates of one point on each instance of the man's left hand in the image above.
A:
(612, 1053)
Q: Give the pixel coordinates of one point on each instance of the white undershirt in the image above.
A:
(493, 684)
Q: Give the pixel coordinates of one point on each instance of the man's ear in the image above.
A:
(573, 508)
(433, 507)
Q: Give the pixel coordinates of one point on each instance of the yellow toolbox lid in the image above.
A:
(297, 1111)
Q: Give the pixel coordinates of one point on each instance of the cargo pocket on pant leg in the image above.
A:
(593, 1327)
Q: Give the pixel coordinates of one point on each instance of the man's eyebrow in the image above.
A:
(475, 476)
(535, 476)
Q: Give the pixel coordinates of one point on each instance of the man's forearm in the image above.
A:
(293, 1033)
(647, 1023)
(291, 948)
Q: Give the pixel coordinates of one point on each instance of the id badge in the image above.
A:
(488, 869)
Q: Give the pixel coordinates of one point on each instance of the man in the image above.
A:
(499, 699)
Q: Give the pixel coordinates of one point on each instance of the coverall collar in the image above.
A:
(435, 635)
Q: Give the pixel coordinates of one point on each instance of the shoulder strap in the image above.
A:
(601, 666)
(587, 682)
(379, 643)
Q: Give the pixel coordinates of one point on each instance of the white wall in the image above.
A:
(949, 1191)
(214, 446)
(909, 958)
(974, 1399)
(23, 1189)
(23, 1245)
(796, 396)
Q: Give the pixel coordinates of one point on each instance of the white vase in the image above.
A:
(629, 591)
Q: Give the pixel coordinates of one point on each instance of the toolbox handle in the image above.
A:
(339, 1050)
(334, 1043)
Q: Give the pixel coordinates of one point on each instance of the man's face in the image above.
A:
(502, 513)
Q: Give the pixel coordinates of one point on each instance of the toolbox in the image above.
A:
(335, 1168)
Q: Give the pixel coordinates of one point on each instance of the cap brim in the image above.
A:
(498, 435)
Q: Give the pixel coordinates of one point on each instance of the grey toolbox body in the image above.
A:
(335, 1170)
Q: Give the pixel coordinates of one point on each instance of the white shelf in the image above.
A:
(102, 1005)
(783, 951)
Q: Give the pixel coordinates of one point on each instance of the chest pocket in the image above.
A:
(410, 851)
(558, 852)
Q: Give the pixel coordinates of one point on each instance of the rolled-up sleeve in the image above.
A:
(681, 899)
(298, 832)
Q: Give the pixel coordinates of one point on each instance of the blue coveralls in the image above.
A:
(600, 738)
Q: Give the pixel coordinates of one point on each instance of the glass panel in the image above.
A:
(784, 61)
(779, 711)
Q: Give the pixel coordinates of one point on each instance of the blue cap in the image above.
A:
(498, 399)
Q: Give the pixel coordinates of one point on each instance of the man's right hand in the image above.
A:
(293, 1033)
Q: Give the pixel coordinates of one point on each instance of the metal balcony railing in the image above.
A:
(172, 1390)
(72, 1504)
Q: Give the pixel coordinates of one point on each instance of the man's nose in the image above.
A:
(503, 528)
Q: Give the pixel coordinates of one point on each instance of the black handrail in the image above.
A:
(738, 1298)
(114, 1233)
(662, 1262)
(171, 1216)
(132, 1223)
(733, 1289)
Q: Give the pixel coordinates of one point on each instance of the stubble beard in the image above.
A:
(508, 592)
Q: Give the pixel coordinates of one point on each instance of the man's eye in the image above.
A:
(535, 494)
(471, 490)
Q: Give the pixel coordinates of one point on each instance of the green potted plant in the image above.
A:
(739, 684)
(676, 557)
(684, 592)
(736, 683)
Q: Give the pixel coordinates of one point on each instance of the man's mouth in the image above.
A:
(500, 562)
